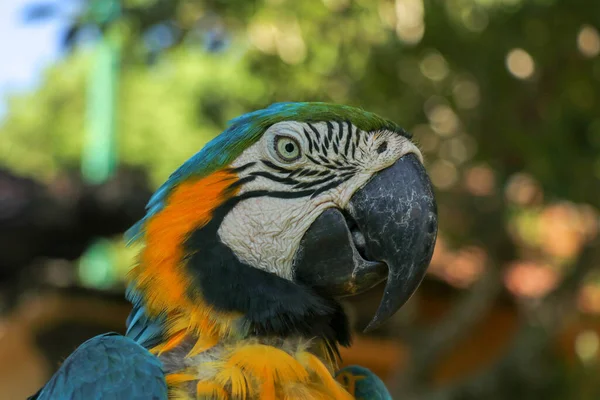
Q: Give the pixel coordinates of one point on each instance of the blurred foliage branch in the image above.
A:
(361, 53)
(428, 345)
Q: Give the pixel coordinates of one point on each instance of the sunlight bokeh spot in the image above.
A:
(561, 230)
(290, 45)
(588, 41)
(480, 180)
(588, 300)
(474, 18)
(434, 66)
(466, 93)
(262, 35)
(466, 266)
(443, 120)
(443, 174)
(459, 150)
(530, 279)
(387, 13)
(410, 24)
(587, 345)
(520, 64)
(522, 189)
(284, 39)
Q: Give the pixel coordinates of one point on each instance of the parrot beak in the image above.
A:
(388, 231)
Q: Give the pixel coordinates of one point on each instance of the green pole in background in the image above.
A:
(99, 156)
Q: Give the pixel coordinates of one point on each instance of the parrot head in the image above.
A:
(289, 209)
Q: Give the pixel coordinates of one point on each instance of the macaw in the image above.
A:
(247, 250)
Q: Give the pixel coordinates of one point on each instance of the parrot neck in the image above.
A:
(188, 275)
(196, 302)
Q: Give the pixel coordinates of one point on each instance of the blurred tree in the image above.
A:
(501, 94)
(58, 221)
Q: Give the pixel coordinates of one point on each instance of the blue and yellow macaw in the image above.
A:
(247, 249)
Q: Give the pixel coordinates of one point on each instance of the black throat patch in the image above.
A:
(271, 305)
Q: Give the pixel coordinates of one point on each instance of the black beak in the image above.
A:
(388, 231)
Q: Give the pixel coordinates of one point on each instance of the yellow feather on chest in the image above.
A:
(255, 371)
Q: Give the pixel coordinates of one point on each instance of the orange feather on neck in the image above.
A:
(160, 274)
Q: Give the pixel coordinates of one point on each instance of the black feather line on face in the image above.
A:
(309, 139)
(324, 160)
(325, 146)
(312, 192)
(276, 167)
(296, 172)
(306, 185)
(348, 138)
(347, 175)
(242, 168)
(338, 164)
(329, 131)
(327, 187)
(275, 178)
(310, 172)
(340, 134)
(323, 151)
(231, 188)
(270, 305)
(314, 160)
(315, 131)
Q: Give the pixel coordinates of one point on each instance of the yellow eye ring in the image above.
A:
(287, 148)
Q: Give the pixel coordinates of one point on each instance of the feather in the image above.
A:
(143, 329)
(210, 390)
(362, 383)
(108, 366)
(317, 367)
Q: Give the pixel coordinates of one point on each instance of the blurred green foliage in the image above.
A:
(437, 67)
(160, 118)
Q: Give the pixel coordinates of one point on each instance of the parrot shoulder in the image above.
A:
(362, 383)
(107, 366)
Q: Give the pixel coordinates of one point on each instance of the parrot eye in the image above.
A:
(287, 148)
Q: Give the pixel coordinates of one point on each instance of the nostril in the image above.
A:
(359, 241)
(358, 238)
(432, 224)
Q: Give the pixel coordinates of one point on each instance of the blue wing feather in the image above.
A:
(362, 383)
(108, 366)
(141, 328)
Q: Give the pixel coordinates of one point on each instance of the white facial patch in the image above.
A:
(265, 232)
(298, 171)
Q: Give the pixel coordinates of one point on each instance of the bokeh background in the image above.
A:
(102, 99)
